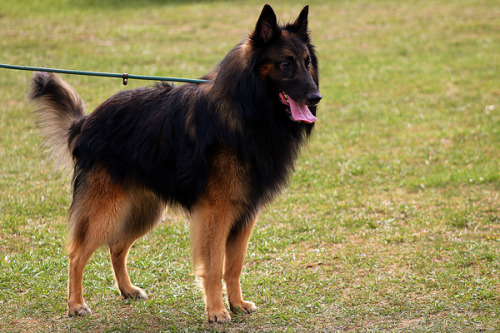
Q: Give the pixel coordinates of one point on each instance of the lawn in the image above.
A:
(391, 221)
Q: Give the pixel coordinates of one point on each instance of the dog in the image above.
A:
(221, 150)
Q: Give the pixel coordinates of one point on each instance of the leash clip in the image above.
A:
(125, 78)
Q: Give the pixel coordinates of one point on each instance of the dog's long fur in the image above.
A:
(220, 150)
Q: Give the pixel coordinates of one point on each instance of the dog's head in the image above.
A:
(287, 63)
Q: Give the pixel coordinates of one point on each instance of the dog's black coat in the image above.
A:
(220, 150)
(144, 135)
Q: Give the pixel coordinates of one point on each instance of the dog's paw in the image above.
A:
(134, 293)
(220, 316)
(242, 307)
(79, 310)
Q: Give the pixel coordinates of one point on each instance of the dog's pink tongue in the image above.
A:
(301, 112)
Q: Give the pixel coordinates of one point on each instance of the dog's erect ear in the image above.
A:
(266, 28)
(300, 24)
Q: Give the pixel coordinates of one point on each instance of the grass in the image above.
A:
(392, 218)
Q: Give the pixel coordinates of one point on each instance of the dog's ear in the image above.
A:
(300, 26)
(266, 28)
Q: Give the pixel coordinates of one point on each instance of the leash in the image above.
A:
(124, 76)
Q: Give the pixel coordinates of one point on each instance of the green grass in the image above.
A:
(392, 218)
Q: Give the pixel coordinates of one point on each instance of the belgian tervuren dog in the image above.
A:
(221, 150)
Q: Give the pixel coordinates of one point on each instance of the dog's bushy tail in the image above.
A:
(59, 108)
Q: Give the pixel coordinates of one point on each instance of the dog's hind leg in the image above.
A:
(98, 211)
(119, 252)
(236, 247)
(145, 213)
(78, 257)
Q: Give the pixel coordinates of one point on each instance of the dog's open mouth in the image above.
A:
(298, 112)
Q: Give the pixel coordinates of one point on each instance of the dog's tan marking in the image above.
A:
(103, 212)
(213, 218)
(236, 248)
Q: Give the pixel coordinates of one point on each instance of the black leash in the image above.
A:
(124, 76)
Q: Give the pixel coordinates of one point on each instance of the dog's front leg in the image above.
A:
(236, 247)
(212, 286)
(210, 229)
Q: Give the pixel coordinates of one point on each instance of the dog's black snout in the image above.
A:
(314, 98)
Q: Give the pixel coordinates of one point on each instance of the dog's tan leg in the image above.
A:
(236, 248)
(98, 212)
(78, 257)
(144, 215)
(213, 216)
(119, 252)
(209, 231)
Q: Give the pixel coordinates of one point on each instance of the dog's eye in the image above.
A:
(308, 62)
(285, 64)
